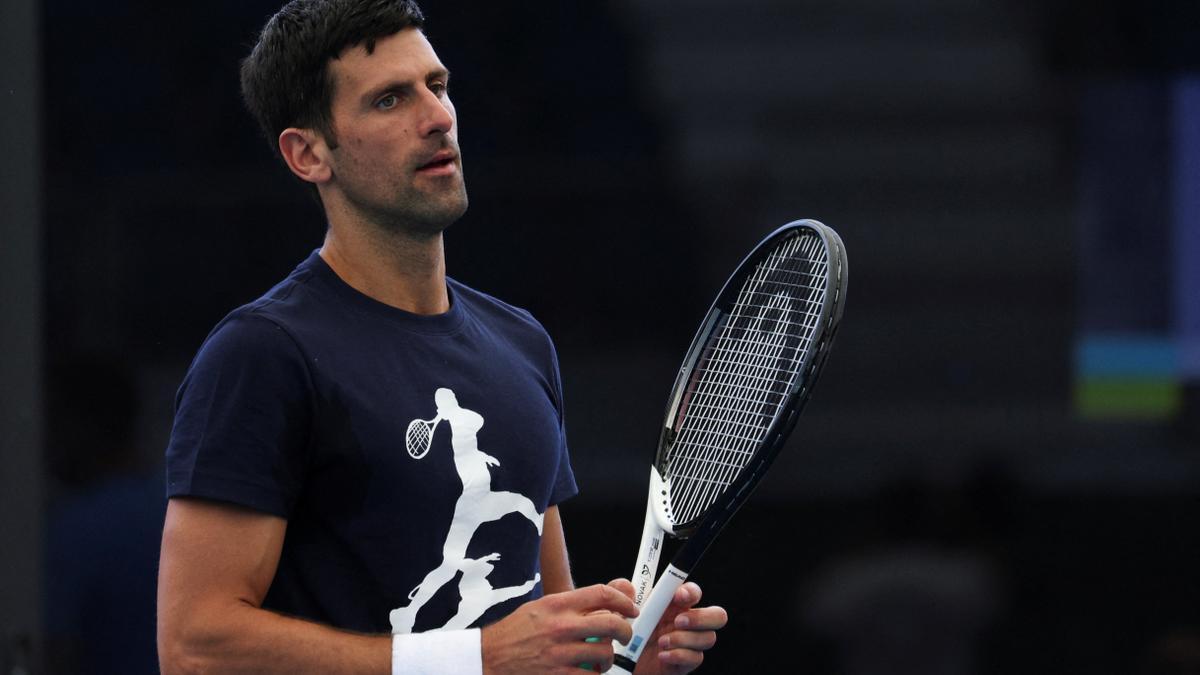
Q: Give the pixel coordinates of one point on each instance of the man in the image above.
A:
(351, 443)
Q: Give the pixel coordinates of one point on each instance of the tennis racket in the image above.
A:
(745, 378)
(418, 438)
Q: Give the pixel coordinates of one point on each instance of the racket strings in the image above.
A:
(418, 435)
(747, 423)
(709, 455)
(734, 434)
(742, 380)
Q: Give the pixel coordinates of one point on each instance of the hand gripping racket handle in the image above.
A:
(625, 657)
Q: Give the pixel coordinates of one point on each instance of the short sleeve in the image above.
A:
(242, 418)
(564, 480)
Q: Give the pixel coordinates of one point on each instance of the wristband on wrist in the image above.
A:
(447, 652)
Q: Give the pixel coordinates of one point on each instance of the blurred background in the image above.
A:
(1000, 470)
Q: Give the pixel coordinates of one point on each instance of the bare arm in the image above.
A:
(216, 565)
(556, 569)
(218, 561)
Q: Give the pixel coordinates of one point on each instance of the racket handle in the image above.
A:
(625, 657)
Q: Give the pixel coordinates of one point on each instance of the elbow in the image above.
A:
(186, 650)
(177, 664)
(176, 658)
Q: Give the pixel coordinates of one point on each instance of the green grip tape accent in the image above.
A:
(588, 666)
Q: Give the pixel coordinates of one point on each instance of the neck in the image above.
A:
(401, 269)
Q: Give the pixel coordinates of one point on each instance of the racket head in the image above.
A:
(748, 373)
(418, 438)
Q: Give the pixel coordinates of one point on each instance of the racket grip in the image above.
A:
(652, 611)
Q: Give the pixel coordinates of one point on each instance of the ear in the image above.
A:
(306, 154)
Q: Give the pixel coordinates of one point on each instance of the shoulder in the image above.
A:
(512, 328)
(272, 324)
(261, 335)
(246, 350)
(292, 300)
(248, 329)
(496, 313)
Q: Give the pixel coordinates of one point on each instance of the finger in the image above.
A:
(595, 655)
(688, 640)
(703, 618)
(588, 665)
(623, 585)
(687, 595)
(597, 597)
(680, 660)
(605, 625)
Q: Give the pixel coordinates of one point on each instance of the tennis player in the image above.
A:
(301, 535)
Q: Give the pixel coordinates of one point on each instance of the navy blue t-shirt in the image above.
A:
(412, 456)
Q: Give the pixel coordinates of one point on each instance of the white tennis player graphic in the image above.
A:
(477, 592)
(477, 505)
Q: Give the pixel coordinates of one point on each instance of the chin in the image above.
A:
(416, 213)
(447, 213)
(429, 221)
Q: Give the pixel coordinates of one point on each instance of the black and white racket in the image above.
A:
(418, 438)
(746, 377)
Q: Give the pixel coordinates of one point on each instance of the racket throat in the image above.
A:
(655, 526)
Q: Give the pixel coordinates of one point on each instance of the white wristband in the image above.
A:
(446, 652)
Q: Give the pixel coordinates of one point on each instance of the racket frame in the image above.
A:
(700, 533)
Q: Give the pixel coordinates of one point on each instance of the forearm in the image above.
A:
(241, 638)
(216, 565)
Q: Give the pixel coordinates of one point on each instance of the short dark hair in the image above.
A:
(285, 79)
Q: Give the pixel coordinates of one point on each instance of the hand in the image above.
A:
(548, 635)
(683, 634)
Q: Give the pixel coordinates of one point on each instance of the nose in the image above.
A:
(438, 113)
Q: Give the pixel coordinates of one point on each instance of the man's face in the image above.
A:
(397, 161)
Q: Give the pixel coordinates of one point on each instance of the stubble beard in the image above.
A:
(421, 213)
(415, 213)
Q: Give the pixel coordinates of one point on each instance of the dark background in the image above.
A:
(942, 507)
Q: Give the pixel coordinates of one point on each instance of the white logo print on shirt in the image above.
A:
(477, 505)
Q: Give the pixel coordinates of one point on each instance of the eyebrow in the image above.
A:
(403, 86)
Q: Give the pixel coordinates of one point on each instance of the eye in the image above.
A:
(439, 87)
(387, 102)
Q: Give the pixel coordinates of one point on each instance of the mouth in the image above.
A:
(441, 163)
